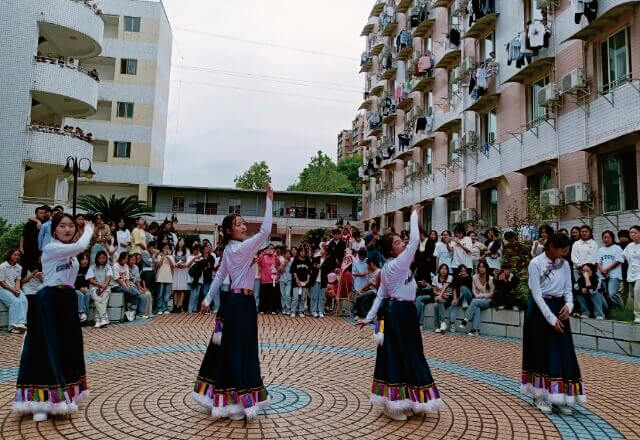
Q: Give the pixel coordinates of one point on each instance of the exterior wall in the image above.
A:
(570, 143)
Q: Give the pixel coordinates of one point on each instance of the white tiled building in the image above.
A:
(128, 43)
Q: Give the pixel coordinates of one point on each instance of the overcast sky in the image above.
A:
(217, 128)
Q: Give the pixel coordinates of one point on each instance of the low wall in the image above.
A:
(608, 336)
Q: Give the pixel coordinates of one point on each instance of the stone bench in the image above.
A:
(607, 336)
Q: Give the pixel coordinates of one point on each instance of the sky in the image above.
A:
(272, 80)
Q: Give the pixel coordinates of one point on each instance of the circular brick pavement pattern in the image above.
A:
(319, 375)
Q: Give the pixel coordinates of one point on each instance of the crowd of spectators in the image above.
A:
(67, 130)
(67, 63)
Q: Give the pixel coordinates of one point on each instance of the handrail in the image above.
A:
(67, 130)
(93, 74)
(89, 4)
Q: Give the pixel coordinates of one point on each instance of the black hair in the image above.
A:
(558, 241)
(546, 228)
(386, 244)
(459, 229)
(506, 266)
(227, 227)
(152, 244)
(121, 219)
(59, 208)
(509, 235)
(610, 234)
(80, 215)
(374, 261)
(336, 231)
(44, 208)
(636, 227)
(563, 231)
(57, 219)
(122, 255)
(594, 273)
(98, 254)
(462, 266)
(623, 233)
(447, 231)
(11, 252)
(362, 252)
(488, 269)
(439, 268)
(588, 228)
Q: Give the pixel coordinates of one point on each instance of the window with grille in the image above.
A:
(619, 177)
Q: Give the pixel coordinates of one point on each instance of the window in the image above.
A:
(454, 19)
(430, 44)
(488, 46)
(122, 149)
(619, 181)
(207, 208)
(428, 161)
(536, 112)
(132, 24)
(533, 12)
(278, 208)
(332, 210)
(489, 206)
(128, 66)
(489, 125)
(125, 110)
(616, 60)
(454, 91)
(538, 183)
(234, 207)
(453, 147)
(177, 204)
(428, 103)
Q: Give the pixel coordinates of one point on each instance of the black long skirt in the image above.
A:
(52, 375)
(270, 298)
(229, 381)
(549, 364)
(402, 378)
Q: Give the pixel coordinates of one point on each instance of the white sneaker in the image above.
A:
(438, 330)
(321, 315)
(474, 333)
(293, 315)
(599, 318)
(443, 327)
(238, 416)
(166, 312)
(392, 416)
(144, 317)
(636, 321)
(584, 316)
(563, 409)
(105, 322)
(500, 307)
(542, 405)
(39, 417)
(465, 304)
(98, 323)
(83, 317)
(315, 315)
(516, 309)
(301, 315)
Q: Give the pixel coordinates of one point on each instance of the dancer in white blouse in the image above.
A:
(51, 378)
(402, 380)
(229, 381)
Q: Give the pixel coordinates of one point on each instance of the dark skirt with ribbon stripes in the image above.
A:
(52, 376)
(402, 378)
(229, 380)
(549, 364)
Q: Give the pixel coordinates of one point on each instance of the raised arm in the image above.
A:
(250, 246)
(536, 293)
(404, 260)
(57, 250)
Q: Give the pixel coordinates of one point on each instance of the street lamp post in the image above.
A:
(72, 168)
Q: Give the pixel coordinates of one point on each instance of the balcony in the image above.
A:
(488, 101)
(390, 118)
(606, 19)
(366, 63)
(449, 57)
(65, 91)
(405, 54)
(389, 27)
(54, 148)
(422, 139)
(404, 5)
(447, 122)
(441, 3)
(378, 46)
(377, 8)
(367, 29)
(540, 64)
(389, 73)
(482, 27)
(423, 28)
(366, 104)
(72, 28)
(378, 87)
(425, 82)
(405, 104)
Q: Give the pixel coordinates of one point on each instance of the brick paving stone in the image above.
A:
(141, 376)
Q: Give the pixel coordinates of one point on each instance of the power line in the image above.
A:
(269, 92)
(276, 79)
(263, 43)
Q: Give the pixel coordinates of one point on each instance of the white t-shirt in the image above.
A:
(10, 274)
(120, 272)
(460, 257)
(357, 245)
(99, 273)
(59, 263)
(607, 255)
(494, 263)
(123, 237)
(445, 257)
(632, 255)
(32, 286)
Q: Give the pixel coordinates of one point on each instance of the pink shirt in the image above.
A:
(268, 267)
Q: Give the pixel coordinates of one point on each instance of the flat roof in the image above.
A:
(254, 191)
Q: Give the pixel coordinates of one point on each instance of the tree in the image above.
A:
(315, 236)
(113, 209)
(349, 167)
(10, 238)
(258, 176)
(322, 175)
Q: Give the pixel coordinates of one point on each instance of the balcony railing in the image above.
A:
(67, 130)
(63, 63)
(90, 4)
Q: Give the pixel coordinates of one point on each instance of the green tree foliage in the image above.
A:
(349, 167)
(258, 176)
(322, 175)
(4, 225)
(114, 208)
(315, 236)
(9, 237)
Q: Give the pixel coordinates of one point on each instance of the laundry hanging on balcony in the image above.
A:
(424, 64)
(403, 40)
(586, 8)
(517, 51)
(537, 35)
(479, 8)
(454, 37)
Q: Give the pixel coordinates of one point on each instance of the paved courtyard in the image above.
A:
(318, 373)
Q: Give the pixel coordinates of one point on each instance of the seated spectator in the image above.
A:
(367, 294)
(32, 282)
(463, 285)
(100, 276)
(483, 292)
(121, 283)
(589, 294)
(445, 298)
(82, 287)
(506, 284)
(144, 306)
(10, 294)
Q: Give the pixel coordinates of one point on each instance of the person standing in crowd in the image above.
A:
(100, 275)
(461, 250)
(148, 274)
(101, 240)
(123, 237)
(82, 286)
(402, 380)
(609, 260)
(210, 262)
(506, 285)
(152, 232)
(194, 267)
(164, 278)
(29, 240)
(463, 285)
(336, 250)
(359, 270)
(483, 289)
(44, 236)
(443, 251)
(623, 240)
(301, 271)
(589, 294)
(180, 283)
(632, 256)
(229, 381)
(583, 251)
(53, 355)
(317, 292)
(493, 254)
(10, 294)
(357, 242)
(138, 237)
(80, 221)
(145, 304)
(422, 265)
(544, 232)
(269, 264)
(445, 299)
(550, 370)
(478, 249)
(372, 242)
(285, 281)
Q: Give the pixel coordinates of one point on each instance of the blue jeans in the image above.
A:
(299, 302)
(17, 306)
(442, 312)
(163, 294)
(473, 312)
(421, 301)
(465, 294)
(317, 298)
(84, 299)
(599, 304)
(612, 285)
(133, 299)
(285, 296)
(256, 292)
(194, 297)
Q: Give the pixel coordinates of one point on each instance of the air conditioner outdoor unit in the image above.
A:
(551, 197)
(469, 64)
(574, 80)
(577, 193)
(455, 217)
(548, 95)
(468, 215)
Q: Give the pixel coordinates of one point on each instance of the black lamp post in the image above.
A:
(72, 168)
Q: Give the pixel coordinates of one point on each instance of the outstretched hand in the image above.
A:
(363, 322)
(204, 308)
(270, 192)
(417, 208)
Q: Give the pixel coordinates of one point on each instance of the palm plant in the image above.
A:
(114, 208)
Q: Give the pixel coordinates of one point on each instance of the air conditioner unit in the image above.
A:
(577, 193)
(548, 95)
(469, 64)
(551, 197)
(455, 217)
(574, 80)
(468, 215)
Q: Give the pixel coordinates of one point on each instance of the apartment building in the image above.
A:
(87, 80)
(345, 144)
(479, 109)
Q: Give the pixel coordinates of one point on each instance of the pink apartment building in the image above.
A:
(474, 105)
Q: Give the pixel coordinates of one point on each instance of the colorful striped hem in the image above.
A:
(555, 389)
(206, 393)
(399, 392)
(53, 400)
